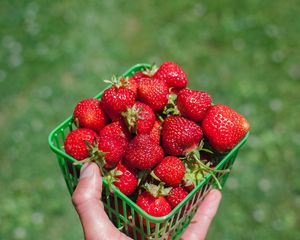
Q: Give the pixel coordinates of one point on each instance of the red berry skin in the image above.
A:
(132, 84)
(115, 147)
(180, 135)
(117, 128)
(153, 92)
(176, 196)
(172, 74)
(193, 104)
(143, 153)
(128, 181)
(74, 144)
(170, 170)
(139, 75)
(88, 113)
(116, 100)
(155, 133)
(223, 127)
(155, 206)
(146, 118)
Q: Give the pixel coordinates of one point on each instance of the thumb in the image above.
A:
(86, 199)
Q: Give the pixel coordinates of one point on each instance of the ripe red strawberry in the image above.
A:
(153, 92)
(117, 128)
(148, 73)
(223, 127)
(156, 131)
(193, 104)
(125, 179)
(143, 153)
(155, 206)
(88, 113)
(170, 170)
(180, 135)
(116, 100)
(172, 74)
(130, 83)
(74, 144)
(140, 118)
(176, 196)
(113, 149)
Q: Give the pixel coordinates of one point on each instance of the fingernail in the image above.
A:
(86, 170)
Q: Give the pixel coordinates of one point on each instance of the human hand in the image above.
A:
(96, 224)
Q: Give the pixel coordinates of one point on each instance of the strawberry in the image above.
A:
(143, 153)
(116, 128)
(75, 142)
(172, 74)
(125, 179)
(170, 170)
(155, 206)
(145, 74)
(140, 118)
(193, 104)
(116, 100)
(176, 196)
(223, 127)
(153, 92)
(129, 83)
(88, 113)
(112, 148)
(180, 135)
(156, 131)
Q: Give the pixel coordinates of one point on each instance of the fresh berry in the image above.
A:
(155, 132)
(172, 74)
(130, 83)
(75, 142)
(170, 170)
(153, 92)
(155, 206)
(148, 73)
(113, 149)
(125, 179)
(116, 100)
(88, 113)
(140, 118)
(223, 127)
(117, 128)
(143, 153)
(180, 135)
(193, 104)
(176, 196)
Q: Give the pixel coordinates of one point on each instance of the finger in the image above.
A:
(86, 199)
(207, 210)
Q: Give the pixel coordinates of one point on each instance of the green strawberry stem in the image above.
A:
(131, 116)
(210, 170)
(96, 156)
(142, 179)
(116, 81)
(171, 108)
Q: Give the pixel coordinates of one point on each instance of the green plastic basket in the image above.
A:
(122, 211)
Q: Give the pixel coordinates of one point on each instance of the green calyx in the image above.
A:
(111, 177)
(171, 108)
(150, 71)
(197, 169)
(96, 156)
(157, 190)
(117, 81)
(131, 116)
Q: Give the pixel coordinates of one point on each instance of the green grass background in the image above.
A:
(245, 53)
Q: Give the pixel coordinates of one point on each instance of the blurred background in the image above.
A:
(244, 53)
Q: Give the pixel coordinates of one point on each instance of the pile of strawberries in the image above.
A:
(154, 138)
